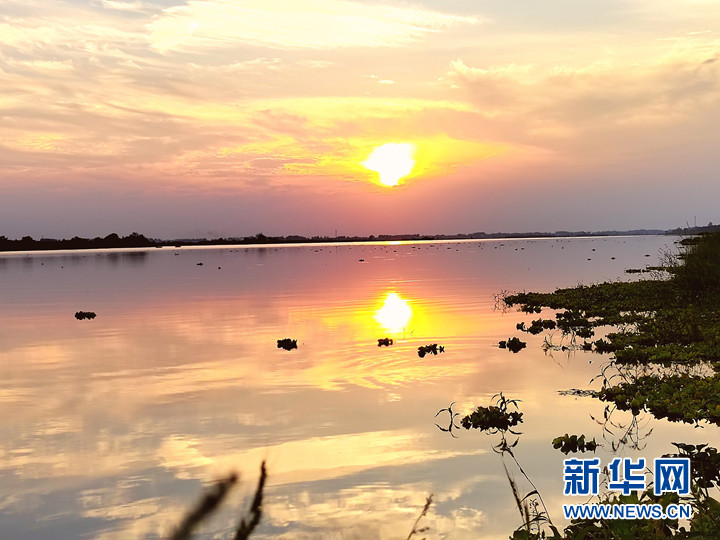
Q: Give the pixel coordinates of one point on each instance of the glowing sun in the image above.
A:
(391, 161)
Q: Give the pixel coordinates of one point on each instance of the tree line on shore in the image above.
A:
(137, 240)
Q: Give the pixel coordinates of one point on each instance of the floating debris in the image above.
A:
(577, 392)
(80, 315)
(430, 349)
(513, 344)
(385, 341)
(287, 344)
(199, 264)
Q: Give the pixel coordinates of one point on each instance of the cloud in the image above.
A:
(599, 107)
(314, 24)
(85, 91)
(122, 6)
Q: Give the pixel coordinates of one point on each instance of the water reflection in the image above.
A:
(113, 424)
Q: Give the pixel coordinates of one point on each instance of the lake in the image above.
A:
(111, 427)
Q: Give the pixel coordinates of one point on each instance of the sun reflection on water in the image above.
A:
(394, 314)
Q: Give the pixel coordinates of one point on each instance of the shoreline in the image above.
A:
(136, 241)
(323, 243)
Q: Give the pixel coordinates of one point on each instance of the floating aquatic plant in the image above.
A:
(287, 344)
(430, 349)
(513, 344)
(573, 443)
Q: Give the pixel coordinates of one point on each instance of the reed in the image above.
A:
(205, 507)
(415, 529)
(211, 501)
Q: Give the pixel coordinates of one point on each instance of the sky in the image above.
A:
(232, 118)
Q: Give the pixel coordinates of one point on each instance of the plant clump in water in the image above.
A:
(679, 398)
(430, 349)
(495, 418)
(513, 344)
(287, 344)
(537, 326)
(573, 443)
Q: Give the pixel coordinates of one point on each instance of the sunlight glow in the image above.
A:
(394, 314)
(391, 161)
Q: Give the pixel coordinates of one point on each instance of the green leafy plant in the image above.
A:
(572, 443)
(495, 418)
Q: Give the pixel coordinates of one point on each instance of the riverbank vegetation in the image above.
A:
(664, 337)
(670, 327)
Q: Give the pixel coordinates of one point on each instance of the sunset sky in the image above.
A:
(230, 117)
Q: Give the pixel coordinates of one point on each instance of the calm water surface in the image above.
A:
(111, 427)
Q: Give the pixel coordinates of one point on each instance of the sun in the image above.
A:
(391, 161)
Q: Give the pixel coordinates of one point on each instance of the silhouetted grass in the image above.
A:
(213, 498)
(415, 530)
(253, 518)
(206, 506)
(215, 495)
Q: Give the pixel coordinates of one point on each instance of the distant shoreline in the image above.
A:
(136, 240)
